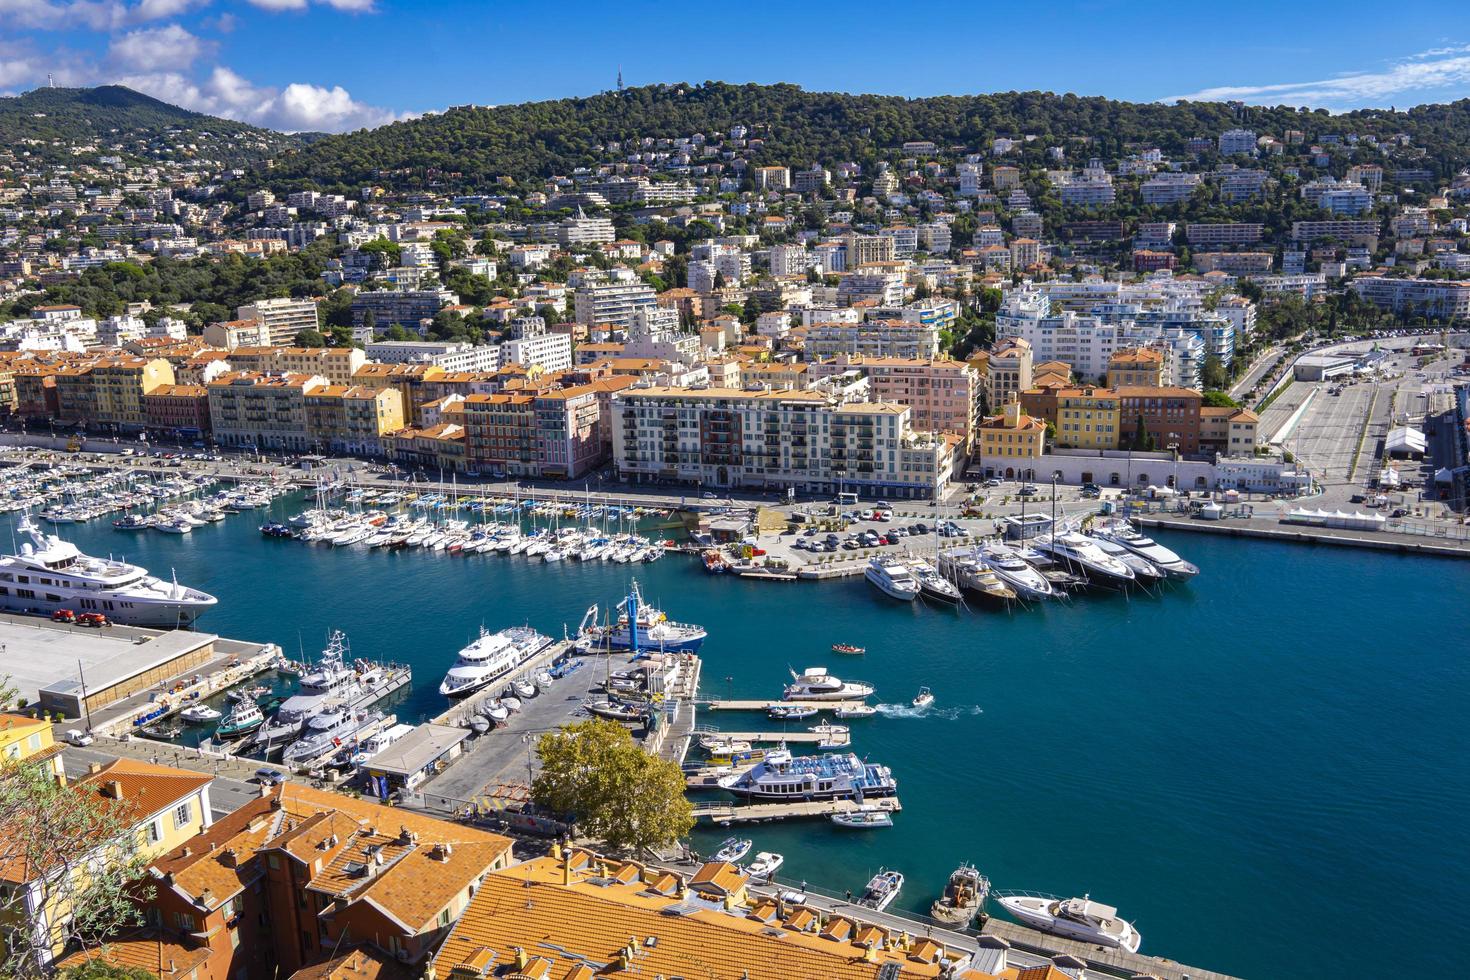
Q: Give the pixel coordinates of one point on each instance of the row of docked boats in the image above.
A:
(1110, 554)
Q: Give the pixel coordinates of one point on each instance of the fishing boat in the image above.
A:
(783, 776)
(764, 866)
(790, 712)
(849, 649)
(733, 849)
(864, 818)
(244, 719)
(882, 889)
(923, 699)
(855, 711)
(161, 733)
(133, 522)
(1074, 918)
(816, 684)
(963, 896)
(197, 714)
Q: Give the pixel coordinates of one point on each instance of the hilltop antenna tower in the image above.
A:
(620, 78)
(50, 80)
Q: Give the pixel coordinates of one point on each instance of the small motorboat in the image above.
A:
(524, 689)
(765, 865)
(923, 699)
(495, 711)
(790, 712)
(963, 896)
(716, 744)
(197, 714)
(733, 849)
(161, 733)
(1075, 918)
(831, 736)
(882, 889)
(856, 711)
(615, 710)
(849, 649)
(511, 704)
(863, 819)
(479, 724)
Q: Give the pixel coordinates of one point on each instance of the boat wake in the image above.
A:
(944, 714)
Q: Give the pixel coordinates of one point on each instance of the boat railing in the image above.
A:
(1021, 893)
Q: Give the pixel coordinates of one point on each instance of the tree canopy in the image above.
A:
(596, 774)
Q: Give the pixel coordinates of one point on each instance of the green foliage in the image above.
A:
(1214, 398)
(310, 338)
(594, 772)
(1213, 374)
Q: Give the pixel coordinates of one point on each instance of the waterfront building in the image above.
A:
(556, 434)
(415, 382)
(1170, 415)
(353, 419)
(1087, 418)
(119, 385)
(1437, 298)
(336, 364)
(180, 410)
(1007, 439)
(1228, 431)
(439, 446)
(260, 411)
(803, 440)
(942, 395)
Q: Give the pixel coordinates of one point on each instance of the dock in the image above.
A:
(725, 814)
(460, 712)
(1112, 962)
(764, 704)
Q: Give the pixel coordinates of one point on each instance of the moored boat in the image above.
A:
(963, 897)
(1074, 918)
(817, 684)
(764, 866)
(882, 889)
(863, 818)
(733, 849)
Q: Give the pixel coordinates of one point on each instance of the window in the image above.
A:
(183, 813)
(184, 921)
(154, 832)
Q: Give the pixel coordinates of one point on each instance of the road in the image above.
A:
(1268, 360)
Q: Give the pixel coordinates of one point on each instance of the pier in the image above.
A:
(1113, 962)
(724, 814)
(461, 711)
(776, 738)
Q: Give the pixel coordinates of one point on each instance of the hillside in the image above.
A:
(119, 120)
(467, 147)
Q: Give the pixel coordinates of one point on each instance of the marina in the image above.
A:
(993, 675)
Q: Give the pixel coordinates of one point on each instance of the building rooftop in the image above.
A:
(418, 749)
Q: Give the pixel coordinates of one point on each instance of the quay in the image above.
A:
(1103, 959)
(724, 814)
(722, 704)
(776, 738)
(461, 711)
(1413, 544)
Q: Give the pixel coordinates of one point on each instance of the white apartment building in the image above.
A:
(905, 240)
(1232, 233)
(1242, 185)
(582, 230)
(1089, 191)
(283, 319)
(872, 338)
(1416, 297)
(612, 302)
(884, 287)
(447, 354)
(1169, 188)
(1237, 141)
(548, 351)
(788, 260)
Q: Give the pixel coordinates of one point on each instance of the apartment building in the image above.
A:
(1087, 418)
(1136, 367)
(872, 338)
(725, 437)
(1228, 431)
(1008, 372)
(1025, 252)
(1237, 141)
(863, 249)
(405, 307)
(1234, 263)
(282, 319)
(181, 411)
(877, 283)
(260, 411)
(1353, 231)
(299, 879)
(942, 395)
(612, 303)
(558, 433)
(1415, 297)
(771, 178)
(1170, 415)
(230, 334)
(353, 419)
(119, 385)
(549, 352)
(1005, 442)
(336, 364)
(436, 447)
(1169, 188)
(1204, 235)
(415, 382)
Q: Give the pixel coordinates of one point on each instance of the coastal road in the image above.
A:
(1263, 366)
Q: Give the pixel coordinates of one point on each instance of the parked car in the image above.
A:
(266, 776)
(1029, 489)
(75, 736)
(1091, 488)
(1400, 512)
(1357, 498)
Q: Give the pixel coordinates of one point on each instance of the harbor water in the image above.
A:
(1253, 767)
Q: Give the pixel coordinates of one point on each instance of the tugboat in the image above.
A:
(963, 897)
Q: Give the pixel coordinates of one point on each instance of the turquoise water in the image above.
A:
(1254, 767)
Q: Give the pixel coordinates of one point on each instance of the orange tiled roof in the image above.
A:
(145, 950)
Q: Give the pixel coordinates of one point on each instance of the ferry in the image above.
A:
(816, 684)
(893, 578)
(48, 574)
(783, 776)
(650, 629)
(490, 657)
(1075, 918)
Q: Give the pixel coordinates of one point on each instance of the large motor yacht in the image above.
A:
(782, 776)
(48, 574)
(815, 684)
(1015, 571)
(1075, 918)
(331, 681)
(1166, 560)
(1078, 553)
(893, 577)
(490, 657)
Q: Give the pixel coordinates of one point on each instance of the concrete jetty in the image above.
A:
(725, 814)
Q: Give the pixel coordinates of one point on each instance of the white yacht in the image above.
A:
(933, 585)
(50, 574)
(1075, 918)
(490, 657)
(332, 681)
(815, 684)
(882, 889)
(1079, 553)
(1167, 561)
(337, 726)
(1013, 570)
(892, 575)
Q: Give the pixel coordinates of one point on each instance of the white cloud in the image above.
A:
(297, 107)
(353, 6)
(279, 4)
(1429, 71)
(157, 47)
(95, 15)
(350, 6)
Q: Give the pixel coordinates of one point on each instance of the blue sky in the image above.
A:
(342, 64)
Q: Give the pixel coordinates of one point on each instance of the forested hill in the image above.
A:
(118, 120)
(468, 147)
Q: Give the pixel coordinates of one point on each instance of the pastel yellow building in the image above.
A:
(28, 739)
(1087, 418)
(119, 384)
(353, 419)
(1012, 435)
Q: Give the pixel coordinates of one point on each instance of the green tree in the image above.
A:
(101, 970)
(1213, 374)
(310, 338)
(82, 863)
(1215, 398)
(596, 774)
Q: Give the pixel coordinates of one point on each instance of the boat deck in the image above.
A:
(762, 705)
(1116, 962)
(724, 814)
